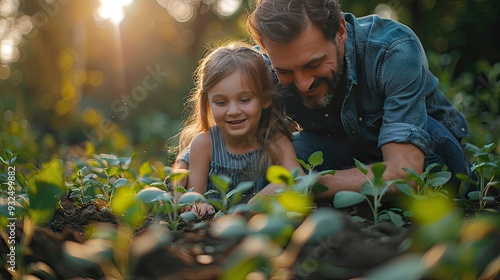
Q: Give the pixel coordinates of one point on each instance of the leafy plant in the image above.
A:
(228, 198)
(161, 202)
(485, 167)
(429, 183)
(372, 192)
(305, 184)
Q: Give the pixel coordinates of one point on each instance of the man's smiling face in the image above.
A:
(309, 65)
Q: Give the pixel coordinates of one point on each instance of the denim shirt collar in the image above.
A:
(350, 57)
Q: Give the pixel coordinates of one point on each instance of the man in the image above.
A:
(360, 88)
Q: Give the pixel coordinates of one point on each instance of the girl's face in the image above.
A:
(235, 108)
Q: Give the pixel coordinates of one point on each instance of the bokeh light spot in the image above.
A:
(180, 10)
(67, 91)
(8, 115)
(25, 24)
(15, 128)
(8, 7)
(226, 8)
(8, 50)
(65, 60)
(80, 76)
(62, 107)
(90, 116)
(95, 78)
(25, 124)
(4, 72)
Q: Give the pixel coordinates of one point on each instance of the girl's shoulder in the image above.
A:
(202, 140)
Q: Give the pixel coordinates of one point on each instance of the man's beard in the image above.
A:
(312, 102)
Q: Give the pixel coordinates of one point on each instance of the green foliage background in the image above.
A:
(68, 85)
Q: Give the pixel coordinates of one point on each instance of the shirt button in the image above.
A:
(326, 115)
(463, 129)
(360, 119)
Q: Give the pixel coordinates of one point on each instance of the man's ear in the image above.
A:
(341, 33)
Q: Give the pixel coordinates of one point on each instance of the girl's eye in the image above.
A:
(245, 100)
(220, 103)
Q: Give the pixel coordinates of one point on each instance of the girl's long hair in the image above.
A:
(216, 66)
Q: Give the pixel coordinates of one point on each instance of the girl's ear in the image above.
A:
(267, 101)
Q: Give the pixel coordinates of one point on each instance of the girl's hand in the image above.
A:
(203, 208)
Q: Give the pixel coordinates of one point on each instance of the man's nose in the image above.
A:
(303, 81)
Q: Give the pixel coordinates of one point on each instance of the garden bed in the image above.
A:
(115, 223)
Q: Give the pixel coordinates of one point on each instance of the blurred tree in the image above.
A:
(82, 77)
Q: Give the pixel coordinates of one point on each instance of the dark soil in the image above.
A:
(192, 252)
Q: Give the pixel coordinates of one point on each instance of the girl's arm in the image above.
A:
(288, 160)
(199, 162)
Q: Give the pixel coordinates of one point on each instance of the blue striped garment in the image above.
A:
(239, 168)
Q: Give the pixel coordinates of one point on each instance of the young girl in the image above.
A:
(236, 124)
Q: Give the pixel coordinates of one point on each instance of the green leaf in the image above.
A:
(178, 175)
(146, 169)
(395, 218)
(319, 188)
(322, 224)
(111, 171)
(326, 172)
(221, 182)
(304, 164)
(367, 189)
(489, 147)
(438, 181)
(378, 169)
(229, 227)
(316, 159)
(45, 191)
(236, 194)
(150, 194)
(474, 195)
(471, 148)
(189, 216)
(406, 189)
(466, 179)
(361, 166)
(190, 198)
(278, 175)
(120, 182)
(347, 198)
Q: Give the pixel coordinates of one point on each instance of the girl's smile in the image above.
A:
(236, 109)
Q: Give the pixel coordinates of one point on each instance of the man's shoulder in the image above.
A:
(375, 30)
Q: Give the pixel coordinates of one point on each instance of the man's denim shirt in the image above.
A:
(390, 90)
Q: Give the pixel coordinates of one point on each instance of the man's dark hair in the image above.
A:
(282, 20)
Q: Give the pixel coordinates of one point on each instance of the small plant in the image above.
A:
(429, 183)
(376, 189)
(305, 184)
(160, 202)
(228, 198)
(485, 167)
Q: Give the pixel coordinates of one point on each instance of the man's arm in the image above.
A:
(396, 157)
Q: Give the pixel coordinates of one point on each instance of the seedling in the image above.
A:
(486, 166)
(429, 183)
(375, 188)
